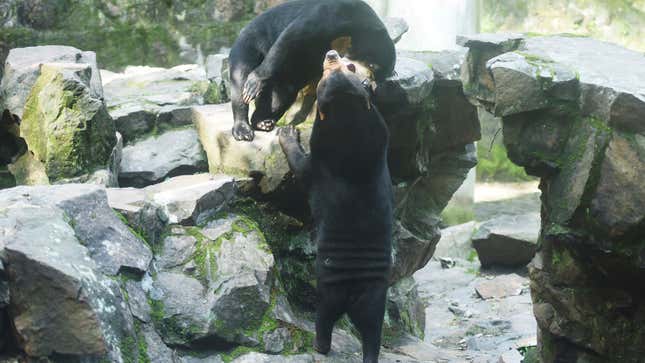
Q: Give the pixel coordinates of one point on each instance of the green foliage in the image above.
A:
(144, 32)
(496, 166)
(456, 215)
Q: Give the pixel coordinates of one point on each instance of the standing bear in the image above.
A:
(280, 52)
(351, 201)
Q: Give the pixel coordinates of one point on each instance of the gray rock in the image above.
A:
(396, 27)
(456, 241)
(411, 85)
(275, 341)
(138, 301)
(512, 356)
(108, 240)
(567, 187)
(609, 77)
(446, 64)
(188, 199)
(156, 158)
(501, 286)
(229, 293)
(537, 80)
(504, 41)
(620, 196)
(164, 104)
(405, 312)
(192, 198)
(177, 249)
(59, 301)
(22, 68)
(507, 240)
(157, 351)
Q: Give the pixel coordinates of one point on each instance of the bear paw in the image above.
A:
(266, 125)
(243, 132)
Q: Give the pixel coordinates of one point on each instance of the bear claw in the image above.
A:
(252, 88)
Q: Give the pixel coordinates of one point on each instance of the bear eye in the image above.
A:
(352, 68)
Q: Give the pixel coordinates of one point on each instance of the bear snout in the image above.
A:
(332, 55)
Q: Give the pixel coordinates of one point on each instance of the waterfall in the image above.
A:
(434, 24)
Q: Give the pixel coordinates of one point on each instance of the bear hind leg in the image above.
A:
(366, 313)
(332, 300)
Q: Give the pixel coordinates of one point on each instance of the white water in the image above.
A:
(434, 24)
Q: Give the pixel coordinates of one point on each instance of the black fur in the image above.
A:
(350, 195)
(281, 51)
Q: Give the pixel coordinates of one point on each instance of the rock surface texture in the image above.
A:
(573, 112)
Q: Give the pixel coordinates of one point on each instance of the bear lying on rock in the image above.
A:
(351, 200)
(280, 52)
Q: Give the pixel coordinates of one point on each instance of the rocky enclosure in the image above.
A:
(142, 232)
(573, 114)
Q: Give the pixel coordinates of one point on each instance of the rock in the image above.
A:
(405, 312)
(567, 187)
(504, 41)
(108, 240)
(229, 295)
(512, 356)
(539, 81)
(396, 27)
(411, 85)
(265, 358)
(617, 204)
(508, 240)
(138, 301)
(187, 199)
(60, 303)
(229, 10)
(157, 351)
(455, 241)
(217, 74)
(165, 104)
(22, 69)
(501, 286)
(263, 158)
(275, 341)
(154, 159)
(66, 127)
(446, 64)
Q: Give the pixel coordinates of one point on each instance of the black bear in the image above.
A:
(351, 201)
(281, 50)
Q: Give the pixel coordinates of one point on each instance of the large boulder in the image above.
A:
(107, 239)
(22, 69)
(65, 125)
(61, 303)
(572, 110)
(509, 241)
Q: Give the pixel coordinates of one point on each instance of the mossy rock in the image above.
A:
(65, 127)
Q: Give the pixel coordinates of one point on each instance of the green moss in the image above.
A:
(236, 353)
(472, 255)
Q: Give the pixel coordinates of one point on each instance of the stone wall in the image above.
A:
(573, 112)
